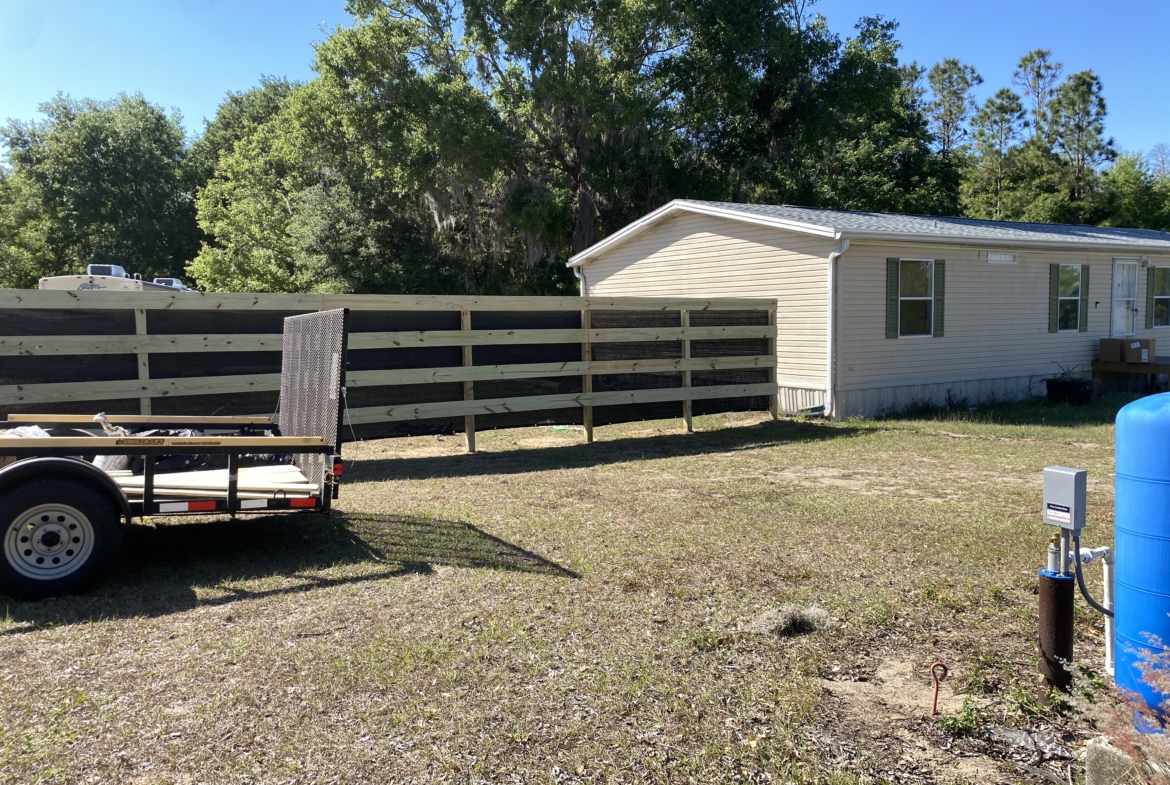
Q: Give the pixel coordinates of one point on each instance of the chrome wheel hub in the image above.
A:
(48, 541)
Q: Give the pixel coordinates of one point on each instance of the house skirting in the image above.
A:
(794, 399)
(877, 401)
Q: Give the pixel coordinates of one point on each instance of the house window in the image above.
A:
(997, 257)
(1162, 296)
(915, 297)
(1068, 305)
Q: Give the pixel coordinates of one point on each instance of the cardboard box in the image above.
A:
(1111, 350)
(1138, 351)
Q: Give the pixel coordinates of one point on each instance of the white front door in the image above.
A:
(1125, 275)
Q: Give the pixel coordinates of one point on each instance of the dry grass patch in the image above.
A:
(548, 611)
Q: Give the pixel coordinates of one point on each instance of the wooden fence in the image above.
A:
(417, 364)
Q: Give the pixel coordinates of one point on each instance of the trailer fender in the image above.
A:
(74, 468)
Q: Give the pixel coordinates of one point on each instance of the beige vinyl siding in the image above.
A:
(700, 256)
(996, 340)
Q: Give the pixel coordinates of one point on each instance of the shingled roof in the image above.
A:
(858, 225)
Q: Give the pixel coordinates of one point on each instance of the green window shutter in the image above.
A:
(1053, 294)
(940, 290)
(1084, 320)
(1149, 298)
(892, 298)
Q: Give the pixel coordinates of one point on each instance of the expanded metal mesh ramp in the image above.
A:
(312, 376)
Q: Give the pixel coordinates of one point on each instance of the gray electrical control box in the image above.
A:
(1064, 497)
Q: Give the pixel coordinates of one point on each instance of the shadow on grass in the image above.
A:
(160, 566)
(580, 456)
(1031, 411)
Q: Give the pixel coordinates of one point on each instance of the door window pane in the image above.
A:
(916, 279)
(1124, 298)
(914, 318)
(1125, 280)
(1123, 322)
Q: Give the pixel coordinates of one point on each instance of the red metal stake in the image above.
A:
(938, 672)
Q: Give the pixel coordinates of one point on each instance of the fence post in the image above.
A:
(143, 361)
(774, 398)
(468, 386)
(685, 322)
(587, 379)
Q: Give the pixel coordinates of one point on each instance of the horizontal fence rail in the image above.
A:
(417, 364)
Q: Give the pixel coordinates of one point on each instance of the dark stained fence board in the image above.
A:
(180, 365)
(226, 404)
(634, 412)
(547, 417)
(48, 321)
(526, 353)
(412, 357)
(520, 388)
(725, 405)
(121, 406)
(399, 394)
(54, 369)
(167, 322)
(402, 321)
(525, 320)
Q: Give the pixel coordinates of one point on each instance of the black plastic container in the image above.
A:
(1078, 392)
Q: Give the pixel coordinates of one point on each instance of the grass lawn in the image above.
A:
(549, 611)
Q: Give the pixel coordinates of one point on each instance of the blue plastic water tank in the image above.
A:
(1142, 539)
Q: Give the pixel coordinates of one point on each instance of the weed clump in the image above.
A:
(966, 723)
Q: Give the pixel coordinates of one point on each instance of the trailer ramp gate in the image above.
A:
(312, 381)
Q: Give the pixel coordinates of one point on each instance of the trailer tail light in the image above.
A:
(309, 502)
(337, 468)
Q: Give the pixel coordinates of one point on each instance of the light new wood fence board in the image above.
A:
(520, 337)
(136, 344)
(231, 301)
(153, 388)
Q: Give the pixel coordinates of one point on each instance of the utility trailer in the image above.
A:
(61, 515)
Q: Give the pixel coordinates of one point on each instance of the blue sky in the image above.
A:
(187, 53)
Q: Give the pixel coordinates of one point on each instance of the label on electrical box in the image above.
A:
(1058, 513)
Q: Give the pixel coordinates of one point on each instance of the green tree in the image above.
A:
(997, 127)
(294, 206)
(774, 113)
(951, 84)
(96, 182)
(494, 139)
(1036, 76)
(238, 115)
(1133, 195)
(1077, 112)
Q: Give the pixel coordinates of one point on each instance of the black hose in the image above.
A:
(1081, 578)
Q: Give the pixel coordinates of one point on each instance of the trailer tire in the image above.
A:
(58, 536)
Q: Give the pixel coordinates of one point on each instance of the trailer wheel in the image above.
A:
(58, 536)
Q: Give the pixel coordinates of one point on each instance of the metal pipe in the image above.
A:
(1055, 622)
(1107, 601)
(831, 307)
(581, 281)
(1064, 551)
